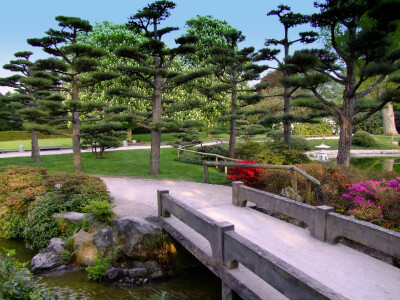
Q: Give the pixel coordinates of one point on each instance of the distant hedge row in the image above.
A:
(6, 136)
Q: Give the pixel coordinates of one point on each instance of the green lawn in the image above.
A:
(133, 163)
(13, 145)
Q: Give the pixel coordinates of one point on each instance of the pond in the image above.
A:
(197, 283)
(377, 163)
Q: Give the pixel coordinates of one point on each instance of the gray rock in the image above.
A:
(70, 216)
(290, 193)
(50, 258)
(103, 239)
(133, 231)
(137, 272)
(114, 274)
(156, 275)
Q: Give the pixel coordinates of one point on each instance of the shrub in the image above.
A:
(250, 150)
(20, 186)
(249, 176)
(372, 125)
(189, 158)
(98, 271)
(364, 139)
(214, 149)
(322, 128)
(12, 224)
(376, 201)
(74, 191)
(101, 210)
(41, 226)
(299, 143)
(16, 282)
(268, 157)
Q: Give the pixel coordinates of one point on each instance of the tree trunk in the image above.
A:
(76, 123)
(287, 124)
(232, 123)
(76, 143)
(129, 133)
(156, 132)
(35, 147)
(389, 126)
(346, 131)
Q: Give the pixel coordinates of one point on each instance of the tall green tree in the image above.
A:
(76, 64)
(30, 86)
(156, 70)
(289, 20)
(365, 53)
(234, 68)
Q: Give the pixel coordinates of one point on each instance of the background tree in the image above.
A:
(365, 53)
(188, 134)
(76, 64)
(234, 68)
(156, 70)
(9, 117)
(30, 86)
(289, 20)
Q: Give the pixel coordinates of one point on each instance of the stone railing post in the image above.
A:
(319, 229)
(160, 193)
(236, 201)
(218, 240)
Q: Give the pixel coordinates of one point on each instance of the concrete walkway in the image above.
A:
(350, 273)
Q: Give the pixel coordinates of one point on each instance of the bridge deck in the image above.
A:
(350, 273)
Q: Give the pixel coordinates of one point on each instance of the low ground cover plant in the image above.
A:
(30, 196)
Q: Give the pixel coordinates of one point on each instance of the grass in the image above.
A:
(13, 145)
(133, 163)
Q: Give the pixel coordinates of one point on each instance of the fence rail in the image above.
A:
(293, 170)
(324, 224)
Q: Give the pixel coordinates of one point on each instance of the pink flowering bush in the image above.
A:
(376, 201)
(249, 176)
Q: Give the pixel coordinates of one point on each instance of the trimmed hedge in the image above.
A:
(6, 136)
(364, 139)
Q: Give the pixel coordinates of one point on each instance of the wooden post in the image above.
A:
(226, 168)
(294, 179)
(205, 174)
(308, 192)
(178, 151)
(216, 160)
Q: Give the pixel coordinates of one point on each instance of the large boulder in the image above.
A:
(84, 248)
(132, 233)
(51, 257)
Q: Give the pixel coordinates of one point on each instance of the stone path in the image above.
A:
(352, 274)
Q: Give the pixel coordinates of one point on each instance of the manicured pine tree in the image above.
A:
(156, 70)
(234, 68)
(76, 64)
(30, 86)
(365, 53)
(289, 20)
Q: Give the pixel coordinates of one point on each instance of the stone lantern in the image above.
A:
(322, 154)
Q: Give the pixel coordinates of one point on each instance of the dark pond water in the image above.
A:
(377, 163)
(198, 283)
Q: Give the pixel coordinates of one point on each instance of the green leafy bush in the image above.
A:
(268, 157)
(219, 149)
(372, 125)
(16, 282)
(101, 210)
(41, 226)
(12, 224)
(250, 150)
(189, 158)
(98, 271)
(322, 128)
(74, 191)
(299, 143)
(364, 139)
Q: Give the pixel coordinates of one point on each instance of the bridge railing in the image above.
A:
(293, 173)
(324, 224)
(230, 248)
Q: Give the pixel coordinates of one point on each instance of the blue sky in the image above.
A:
(27, 18)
